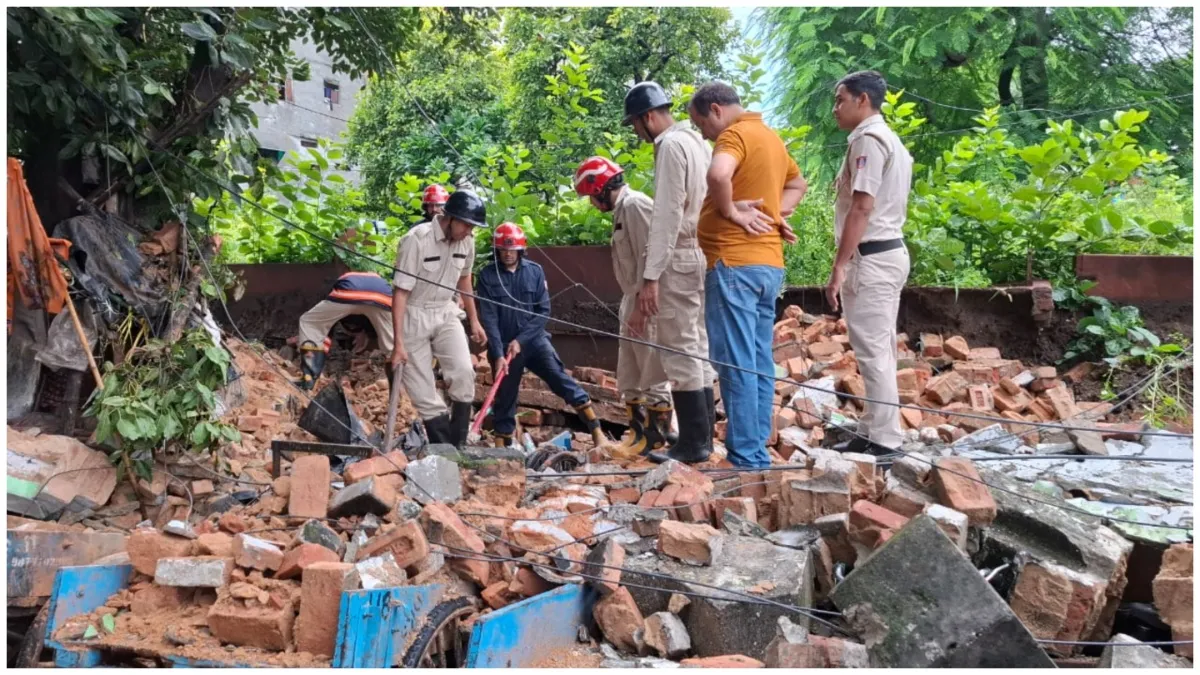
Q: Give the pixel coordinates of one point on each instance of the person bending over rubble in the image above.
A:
(512, 282)
(425, 318)
(354, 294)
(640, 373)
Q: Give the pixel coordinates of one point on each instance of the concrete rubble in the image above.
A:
(912, 562)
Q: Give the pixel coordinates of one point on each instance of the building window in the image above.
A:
(285, 90)
(331, 94)
(308, 142)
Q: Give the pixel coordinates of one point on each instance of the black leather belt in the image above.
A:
(872, 247)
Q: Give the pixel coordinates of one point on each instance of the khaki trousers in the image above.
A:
(640, 373)
(436, 332)
(681, 321)
(870, 302)
(316, 322)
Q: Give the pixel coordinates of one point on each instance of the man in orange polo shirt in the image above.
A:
(753, 184)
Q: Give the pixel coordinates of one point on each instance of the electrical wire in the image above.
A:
(619, 337)
(587, 329)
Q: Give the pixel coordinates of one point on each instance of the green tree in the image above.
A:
(180, 79)
(1032, 62)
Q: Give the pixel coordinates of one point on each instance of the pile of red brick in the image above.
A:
(941, 374)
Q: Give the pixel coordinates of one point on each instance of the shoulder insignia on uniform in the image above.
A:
(860, 162)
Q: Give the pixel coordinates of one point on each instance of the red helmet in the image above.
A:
(508, 237)
(594, 174)
(435, 194)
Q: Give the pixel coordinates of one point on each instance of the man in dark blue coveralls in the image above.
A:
(512, 281)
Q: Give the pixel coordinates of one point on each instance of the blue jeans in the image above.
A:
(540, 359)
(740, 317)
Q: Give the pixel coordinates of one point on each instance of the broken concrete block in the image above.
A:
(953, 523)
(619, 618)
(1088, 442)
(724, 623)
(666, 634)
(197, 572)
(147, 546)
(1130, 652)
(1056, 535)
(695, 544)
(180, 528)
(961, 488)
(920, 603)
(317, 532)
(540, 536)
(308, 495)
(370, 495)
(254, 553)
(993, 438)
(433, 479)
(320, 605)
(381, 571)
(1172, 590)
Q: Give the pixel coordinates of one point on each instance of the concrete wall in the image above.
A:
(282, 125)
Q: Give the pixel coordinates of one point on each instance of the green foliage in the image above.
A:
(155, 66)
(993, 210)
(1029, 61)
(162, 396)
(1114, 334)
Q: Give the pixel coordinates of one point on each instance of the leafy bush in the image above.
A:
(163, 395)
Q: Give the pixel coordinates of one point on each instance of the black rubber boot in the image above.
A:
(658, 431)
(695, 443)
(710, 403)
(312, 362)
(460, 423)
(587, 412)
(502, 440)
(437, 429)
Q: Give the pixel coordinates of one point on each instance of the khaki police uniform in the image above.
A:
(673, 255)
(640, 373)
(432, 327)
(878, 164)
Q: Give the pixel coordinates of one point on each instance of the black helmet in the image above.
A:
(467, 207)
(642, 98)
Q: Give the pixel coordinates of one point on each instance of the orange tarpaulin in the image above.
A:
(33, 273)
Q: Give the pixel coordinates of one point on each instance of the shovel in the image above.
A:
(501, 371)
(393, 402)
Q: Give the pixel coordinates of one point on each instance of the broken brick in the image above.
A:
(956, 348)
(628, 495)
(309, 495)
(498, 596)
(604, 562)
(296, 560)
(392, 462)
(727, 661)
(960, 488)
(443, 526)
(742, 506)
(947, 387)
(320, 605)
(1056, 603)
(406, 542)
(696, 544)
(1007, 401)
(868, 520)
(1173, 599)
(263, 626)
(931, 345)
(146, 547)
(619, 618)
(254, 553)
(526, 583)
(983, 354)
(980, 397)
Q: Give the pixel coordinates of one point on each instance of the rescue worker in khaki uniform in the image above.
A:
(673, 280)
(425, 317)
(354, 294)
(640, 373)
(872, 261)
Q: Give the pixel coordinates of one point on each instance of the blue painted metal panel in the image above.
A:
(374, 626)
(522, 634)
(563, 440)
(79, 590)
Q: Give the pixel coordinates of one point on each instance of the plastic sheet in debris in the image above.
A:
(105, 260)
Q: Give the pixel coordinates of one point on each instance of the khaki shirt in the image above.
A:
(681, 159)
(632, 214)
(878, 164)
(426, 252)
